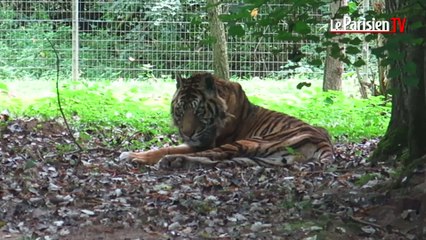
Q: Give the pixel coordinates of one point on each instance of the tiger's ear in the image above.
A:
(178, 80)
(209, 83)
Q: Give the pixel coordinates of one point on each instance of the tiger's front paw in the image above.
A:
(144, 158)
(125, 156)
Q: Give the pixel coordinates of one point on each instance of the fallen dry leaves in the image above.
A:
(50, 191)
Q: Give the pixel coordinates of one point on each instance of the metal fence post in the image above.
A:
(75, 41)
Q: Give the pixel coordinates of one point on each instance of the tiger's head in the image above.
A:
(198, 111)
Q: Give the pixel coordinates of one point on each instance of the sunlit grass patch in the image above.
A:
(145, 105)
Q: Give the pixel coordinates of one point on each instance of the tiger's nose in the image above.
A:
(187, 133)
(189, 124)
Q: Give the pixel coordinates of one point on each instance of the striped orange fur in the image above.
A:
(219, 125)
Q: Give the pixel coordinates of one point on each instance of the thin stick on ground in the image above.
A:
(59, 98)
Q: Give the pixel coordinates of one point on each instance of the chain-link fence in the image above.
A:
(125, 39)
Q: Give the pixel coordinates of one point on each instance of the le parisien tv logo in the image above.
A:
(347, 25)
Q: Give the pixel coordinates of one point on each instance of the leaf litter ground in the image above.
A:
(48, 190)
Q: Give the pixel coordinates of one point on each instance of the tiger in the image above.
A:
(220, 127)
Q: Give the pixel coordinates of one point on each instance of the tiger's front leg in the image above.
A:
(237, 153)
(151, 157)
(203, 159)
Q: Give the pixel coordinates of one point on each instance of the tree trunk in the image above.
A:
(220, 50)
(405, 136)
(417, 106)
(332, 74)
(333, 69)
(395, 139)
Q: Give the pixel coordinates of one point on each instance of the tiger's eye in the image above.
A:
(199, 112)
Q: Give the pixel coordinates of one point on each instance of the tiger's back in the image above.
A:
(299, 140)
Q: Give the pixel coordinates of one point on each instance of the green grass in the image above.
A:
(145, 105)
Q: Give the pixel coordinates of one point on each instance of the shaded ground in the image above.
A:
(49, 190)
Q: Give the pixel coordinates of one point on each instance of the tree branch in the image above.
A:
(59, 98)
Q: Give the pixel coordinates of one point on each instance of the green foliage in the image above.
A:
(119, 36)
(145, 106)
(4, 88)
(300, 25)
(89, 105)
(236, 30)
(297, 70)
(394, 44)
(113, 37)
(32, 47)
